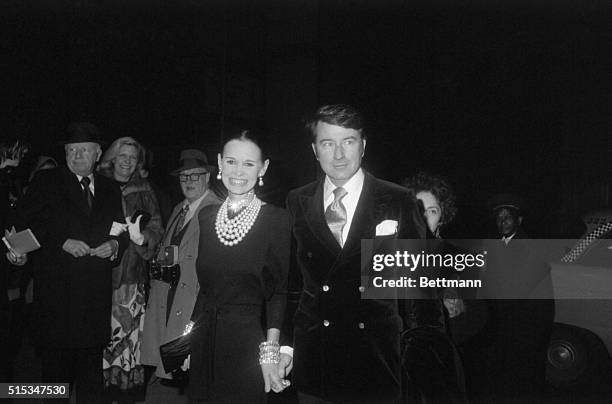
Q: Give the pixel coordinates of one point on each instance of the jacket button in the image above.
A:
(362, 289)
(178, 313)
(361, 326)
(183, 284)
(325, 288)
(326, 323)
(309, 254)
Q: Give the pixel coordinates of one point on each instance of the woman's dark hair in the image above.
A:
(244, 135)
(439, 188)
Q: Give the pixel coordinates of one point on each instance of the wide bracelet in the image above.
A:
(269, 353)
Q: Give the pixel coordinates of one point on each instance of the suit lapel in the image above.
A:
(362, 224)
(312, 206)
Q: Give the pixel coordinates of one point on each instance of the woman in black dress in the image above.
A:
(242, 268)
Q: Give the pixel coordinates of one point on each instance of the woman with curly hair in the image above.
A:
(438, 199)
(123, 372)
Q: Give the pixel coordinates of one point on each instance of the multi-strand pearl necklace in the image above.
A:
(231, 231)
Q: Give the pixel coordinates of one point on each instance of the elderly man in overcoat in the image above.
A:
(73, 211)
(171, 301)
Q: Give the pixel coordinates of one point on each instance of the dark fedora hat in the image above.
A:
(192, 158)
(82, 132)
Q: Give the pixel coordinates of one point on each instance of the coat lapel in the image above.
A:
(193, 226)
(312, 206)
(363, 219)
(172, 224)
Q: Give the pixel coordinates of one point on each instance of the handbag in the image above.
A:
(174, 353)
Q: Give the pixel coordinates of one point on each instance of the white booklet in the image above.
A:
(21, 242)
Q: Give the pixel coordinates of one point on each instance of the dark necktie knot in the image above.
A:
(85, 181)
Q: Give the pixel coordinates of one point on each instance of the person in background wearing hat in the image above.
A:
(509, 361)
(71, 210)
(171, 300)
(508, 217)
(124, 375)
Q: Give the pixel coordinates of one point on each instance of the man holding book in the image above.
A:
(72, 211)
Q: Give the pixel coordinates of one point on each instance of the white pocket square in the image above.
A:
(386, 228)
(117, 229)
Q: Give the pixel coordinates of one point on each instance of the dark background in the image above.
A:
(494, 95)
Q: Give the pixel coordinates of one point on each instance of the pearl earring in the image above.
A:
(261, 181)
(219, 174)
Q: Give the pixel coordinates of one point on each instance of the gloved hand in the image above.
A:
(134, 230)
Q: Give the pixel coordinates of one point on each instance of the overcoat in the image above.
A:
(156, 331)
(72, 297)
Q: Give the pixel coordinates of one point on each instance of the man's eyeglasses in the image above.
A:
(190, 177)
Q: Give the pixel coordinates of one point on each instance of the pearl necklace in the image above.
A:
(231, 231)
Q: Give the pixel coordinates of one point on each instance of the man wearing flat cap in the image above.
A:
(173, 293)
(72, 211)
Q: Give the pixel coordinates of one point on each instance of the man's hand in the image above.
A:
(76, 248)
(134, 230)
(16, 259)
(285, 365)
(106, 249)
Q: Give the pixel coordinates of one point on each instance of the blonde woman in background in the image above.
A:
(123, 372)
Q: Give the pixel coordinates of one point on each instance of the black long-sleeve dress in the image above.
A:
(242, 294)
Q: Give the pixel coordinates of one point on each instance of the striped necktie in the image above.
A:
(181, 219)
(335, 214)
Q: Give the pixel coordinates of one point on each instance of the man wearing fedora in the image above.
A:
(71, 211)
(172, 295)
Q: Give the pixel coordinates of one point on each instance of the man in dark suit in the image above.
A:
(507, 360)
(73, 212)
(347, 349)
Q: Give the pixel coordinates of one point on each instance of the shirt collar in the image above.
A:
(194, 205)
(507, 239)
(352, 186)
(90, 176)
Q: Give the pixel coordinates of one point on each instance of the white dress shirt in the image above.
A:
(353, 188)
(193, 206)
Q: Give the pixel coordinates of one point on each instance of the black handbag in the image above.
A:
(174, 353)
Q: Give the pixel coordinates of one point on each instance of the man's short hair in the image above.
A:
(342, 115)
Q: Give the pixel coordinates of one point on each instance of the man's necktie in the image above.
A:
(86, 191)
(335, 214)
(585, 242)
(181, 219)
